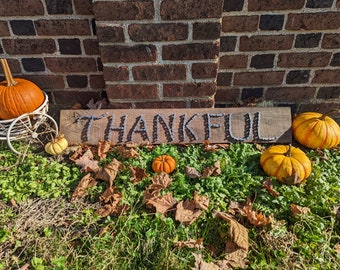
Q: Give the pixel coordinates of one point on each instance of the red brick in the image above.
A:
(63, 27)
(259, 78)
(270, 5)
(308, 59)
(189, 89)
(4, 31)
(233, 61)
(97, 82)
(14, 65)
(158, 32)
(120, 105)
(72, 97)
(313, 21)
(29, 46)
(71, 64)
(170, 104)
(227, 95)
(159, 73)
(224, 78)
(21, 8)
(83, 7)
(338, 4)
(202, 103)
(47, 82)
(328, 76)
(204, 70)
(266, 43)
(132, 91)
(331, 41)
(240, 23)
(128, 54)
(123, 10)
(192, 51)
(206, 30)
(107, 33)
(116, 73)
(190, 9)
(290, 94)
(91, 46)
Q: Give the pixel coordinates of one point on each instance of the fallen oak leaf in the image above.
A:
(202, 265)
(112, 209)
(160, 181)
(191, 243)
(87, 163)
(127, 151)
(163, 204)
(137, 174)
(109, 195)
(257, 219)
(237, 232)
(85, 183)
(299, 210)
(268, 185)
(201, 202)
(187, 212)
(103, 148)
(192, 172)
(212, 170)
(109, 172)
(234, 259)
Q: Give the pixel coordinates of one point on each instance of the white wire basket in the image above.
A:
(31, 129)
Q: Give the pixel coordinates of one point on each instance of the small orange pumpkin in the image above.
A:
(164, 163)
(18, 96)
(316, 130)
(285, 162)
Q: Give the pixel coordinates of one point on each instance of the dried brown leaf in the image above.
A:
(268, 185)
(336, 211)
(163, 203)
(337, 248)
(160, 181)
(109, 172)
(192, 172)
(191, 243)
(257, 219)
(87, 163)
(293, 180)
(76, 106)
(202, 265)
(127, 151)
(201, 202)
(212, 170)
(234, 259)
(137, 174)
(299, 210)
(26, 266)
(187, 212)
(238, 233)
(84, 184)
(208, 147)
(110, 195)
(103, 148)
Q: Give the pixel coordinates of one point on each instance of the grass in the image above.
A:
(42, 229)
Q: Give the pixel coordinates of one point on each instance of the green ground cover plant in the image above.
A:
(46, 224)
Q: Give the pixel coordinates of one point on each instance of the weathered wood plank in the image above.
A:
(225, 125)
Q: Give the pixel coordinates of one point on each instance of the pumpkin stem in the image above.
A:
(322, 117)
(8, 73)
(289, 151)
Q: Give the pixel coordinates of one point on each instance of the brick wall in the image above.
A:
(280, 52)
(53, 43)
(159, 53)
(177, 53)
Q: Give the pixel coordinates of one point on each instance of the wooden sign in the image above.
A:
(225, 125)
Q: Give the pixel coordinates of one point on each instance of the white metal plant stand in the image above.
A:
(30, 130)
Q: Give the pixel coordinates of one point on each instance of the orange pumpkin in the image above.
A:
(18, 96)
(164, 163)
(316, 130)
(285, 162)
